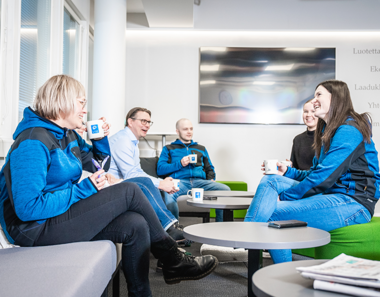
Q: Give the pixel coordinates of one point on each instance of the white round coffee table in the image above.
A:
(283, 280)
(228, 204)
(255, 237)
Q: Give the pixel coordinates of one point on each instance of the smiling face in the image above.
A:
(185, 131)
(321, 102)
(75, 119)
(137, 127)
(309, 117)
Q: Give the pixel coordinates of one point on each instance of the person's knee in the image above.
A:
(146, 181)
(224, 187)
(270, 177)
(136, 226)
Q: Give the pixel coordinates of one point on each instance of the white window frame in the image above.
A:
(9, 71)
(10, 60)
(83, 45)
(56, 37)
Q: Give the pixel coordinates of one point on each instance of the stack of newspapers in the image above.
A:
(347, 275)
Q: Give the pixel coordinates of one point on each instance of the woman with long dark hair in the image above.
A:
(342, 186)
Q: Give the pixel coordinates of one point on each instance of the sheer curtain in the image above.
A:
(34, 49)
(71, 46)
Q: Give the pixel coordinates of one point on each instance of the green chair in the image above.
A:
(234, 186)
(361, 241)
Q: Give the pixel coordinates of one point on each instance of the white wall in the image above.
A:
(162, 75)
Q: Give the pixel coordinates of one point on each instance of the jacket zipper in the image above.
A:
(187, 149)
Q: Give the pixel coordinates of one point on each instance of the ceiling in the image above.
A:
(164, 13)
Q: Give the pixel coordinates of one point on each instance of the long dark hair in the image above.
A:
(341, 108)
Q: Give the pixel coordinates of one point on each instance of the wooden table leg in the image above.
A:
(254, 264)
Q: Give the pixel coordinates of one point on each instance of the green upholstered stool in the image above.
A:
(361, 241)
(234, 186)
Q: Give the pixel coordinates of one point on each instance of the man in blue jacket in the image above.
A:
(175, 162)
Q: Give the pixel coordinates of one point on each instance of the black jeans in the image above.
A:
(122, 214)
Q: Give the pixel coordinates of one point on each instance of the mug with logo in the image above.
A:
(193, 158)
(94, 129)
(196, 194)
(176, 183)
(270, 166)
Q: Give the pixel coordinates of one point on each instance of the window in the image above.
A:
(90, 77)
(71, 45)
(34, 49)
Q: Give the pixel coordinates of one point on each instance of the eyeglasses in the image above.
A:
(83, 102)
(144, 122)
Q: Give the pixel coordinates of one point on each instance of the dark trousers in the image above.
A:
(122, 214)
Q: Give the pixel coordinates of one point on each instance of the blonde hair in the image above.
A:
(56, 97)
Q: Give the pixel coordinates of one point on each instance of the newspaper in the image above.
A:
(348, 267)
(342, 280)
(346, 289)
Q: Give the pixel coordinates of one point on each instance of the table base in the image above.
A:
(228, 215)
(254, 264)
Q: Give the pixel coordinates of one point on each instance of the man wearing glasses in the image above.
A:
(125, 164)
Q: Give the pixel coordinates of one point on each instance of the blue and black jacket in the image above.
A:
(169, 163)
(39, 179)
(350, 167)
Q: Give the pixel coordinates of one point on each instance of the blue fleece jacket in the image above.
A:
(350, 166)
(39, 179)
(169, 163)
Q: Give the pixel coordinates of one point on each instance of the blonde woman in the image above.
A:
(42, 203)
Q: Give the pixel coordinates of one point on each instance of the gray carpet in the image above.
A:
(228, 279)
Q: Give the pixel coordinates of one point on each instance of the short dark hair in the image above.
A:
(132, 113)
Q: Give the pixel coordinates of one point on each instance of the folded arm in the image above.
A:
(163, 165)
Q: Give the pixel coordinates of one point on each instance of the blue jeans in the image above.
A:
(187, 184)
(154, 196)
(326, 212)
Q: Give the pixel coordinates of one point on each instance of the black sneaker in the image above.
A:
(189, 268)
(176, 232)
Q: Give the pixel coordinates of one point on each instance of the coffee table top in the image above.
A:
(223, 203)
(256, 235)
(283, 280)
(228, 194)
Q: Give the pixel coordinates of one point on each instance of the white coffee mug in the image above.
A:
(193, 158)
(286, 163)
(94, 129)
(270, 166)
(196, 194)
(176, 183)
